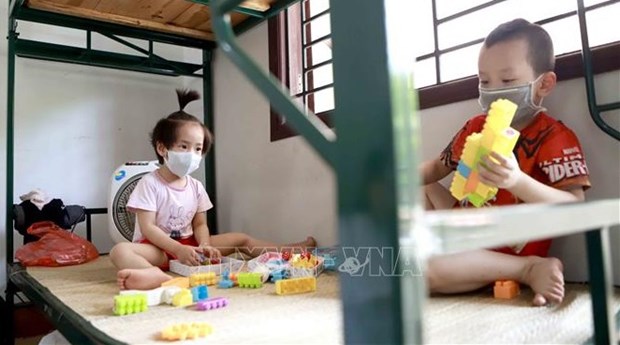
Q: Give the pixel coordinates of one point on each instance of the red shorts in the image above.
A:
(189, 241)
(537, 248)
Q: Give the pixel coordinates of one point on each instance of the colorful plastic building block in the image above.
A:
(264, 271)
(496, 136)
(153, 297)
(225, 281)
(182, 298)
(182, 282)
(212, 303)
(208, 278)
(250, 280)
(199, 293)
(185, 331)
(279, 275)
(506, 289)
(295, 285)
(168, 294)
(130, 304)
(329, 262)
(286, 255)
(304, 260)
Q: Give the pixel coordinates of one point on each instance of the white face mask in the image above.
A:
(182, 163)
(522, 96)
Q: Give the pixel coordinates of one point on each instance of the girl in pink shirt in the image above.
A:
(171, 206)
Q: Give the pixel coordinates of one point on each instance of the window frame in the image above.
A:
(605, 58)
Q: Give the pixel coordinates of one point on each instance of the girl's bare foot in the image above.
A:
(310, 242)
(141, 278)
(545, 277)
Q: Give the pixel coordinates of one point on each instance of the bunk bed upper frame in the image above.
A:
(375, 150)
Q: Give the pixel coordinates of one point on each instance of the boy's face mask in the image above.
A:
(182, 163)
(522, 96)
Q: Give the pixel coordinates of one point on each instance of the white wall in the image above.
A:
(74, 125)
(283, 191)
(278, 191)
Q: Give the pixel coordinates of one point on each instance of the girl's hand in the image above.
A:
(188, 255)
(499, 171)
(210, 251)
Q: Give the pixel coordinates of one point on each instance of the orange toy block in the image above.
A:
(506, 289)
(182, 282)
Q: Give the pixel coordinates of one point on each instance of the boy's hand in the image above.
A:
(188, 255)
(210, 251)
(497, 170)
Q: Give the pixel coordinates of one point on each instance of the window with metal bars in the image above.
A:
(448, 38)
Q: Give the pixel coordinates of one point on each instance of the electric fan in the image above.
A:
(124, 180)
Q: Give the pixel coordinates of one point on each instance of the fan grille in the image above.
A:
(125, 221)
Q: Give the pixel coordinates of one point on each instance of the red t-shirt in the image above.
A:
(546, 150)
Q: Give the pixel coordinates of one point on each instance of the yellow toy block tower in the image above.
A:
(496, 135)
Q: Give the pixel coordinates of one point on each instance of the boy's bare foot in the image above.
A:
(545, 277)
(141, 278)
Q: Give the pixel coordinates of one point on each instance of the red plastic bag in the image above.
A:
(56, 247)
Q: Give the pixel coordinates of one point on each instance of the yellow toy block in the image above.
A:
(182, 282)
(182, 298)
(458, 187)
(505, 141)
(185, 331)
(295, 285)
(483, 189)
(496, 136)
(472, 144)
(208, 278)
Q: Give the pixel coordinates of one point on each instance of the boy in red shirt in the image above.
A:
(516, 62)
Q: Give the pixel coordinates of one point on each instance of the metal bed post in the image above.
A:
(375, 111)
(601, 288)
(10, 112)
(209, 120)
(597, 241)
(593, 107)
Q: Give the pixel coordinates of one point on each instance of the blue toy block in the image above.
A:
(279, 275)
(463, 169)
(199, 293)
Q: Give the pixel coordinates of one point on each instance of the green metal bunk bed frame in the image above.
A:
(374, 157)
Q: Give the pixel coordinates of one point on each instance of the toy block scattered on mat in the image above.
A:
(295, 285)
(304, 260)
(130, 304)
(250, 280)
(226, 263)
(226, 282)
(212, 303)
(208, 278)
(496, 136)
(169, 293)
(506, 289)
(182, 282)
(153, 296)
(183, 298)
(185, 331)
(199, 293)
